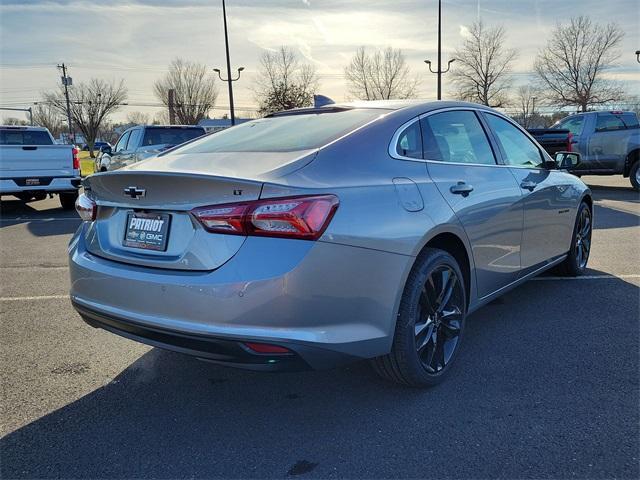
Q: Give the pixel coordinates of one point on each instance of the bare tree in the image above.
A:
(572, 64)
(161, 117)
(284, 82)
(91, 104)
(195, 90)
(138, 118)
(483, 64)
(380, 75)
(525, 102)
(49, 117)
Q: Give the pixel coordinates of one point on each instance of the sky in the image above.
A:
(135, 40)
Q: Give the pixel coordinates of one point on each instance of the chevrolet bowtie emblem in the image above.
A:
(135, 192)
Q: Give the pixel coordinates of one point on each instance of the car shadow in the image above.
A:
(533, 366)
(40, 223)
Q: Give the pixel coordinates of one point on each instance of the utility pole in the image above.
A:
(229, 80)
(67, 81)
(172, 106)
(439, 71)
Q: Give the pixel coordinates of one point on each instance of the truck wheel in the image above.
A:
(634, 176)
(68, 200)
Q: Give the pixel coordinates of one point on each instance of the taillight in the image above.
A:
(291, 217)
(86, 208)
(76, 159)
(569, 142)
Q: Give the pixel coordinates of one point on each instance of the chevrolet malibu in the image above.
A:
(318, 236)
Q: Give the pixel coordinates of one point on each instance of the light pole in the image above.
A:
(439, 71)
(229, 80)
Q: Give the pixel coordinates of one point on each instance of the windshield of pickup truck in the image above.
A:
(9, 136)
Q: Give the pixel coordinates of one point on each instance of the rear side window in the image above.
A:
(456, 137)
(630, 120)
(170, 136)
(410, 141)
(607, 122)
(24, 137)
(574, 124)
(284, 133)
(519, 150)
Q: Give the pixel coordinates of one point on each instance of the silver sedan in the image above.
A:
(319, 236)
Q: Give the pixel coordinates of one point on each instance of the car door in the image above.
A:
(484, 196)
(607, 146)
(548, 200)
(133, 146)
(119, 152)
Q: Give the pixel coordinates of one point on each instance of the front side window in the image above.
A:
(120, 146)
(410, 141)
(519, 149)
(607, 122)
(134, 139)
(574, 124)
(457, 137)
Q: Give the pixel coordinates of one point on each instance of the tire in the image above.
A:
(634, 175)
(576, 262)
(428, 332)
(68, 200)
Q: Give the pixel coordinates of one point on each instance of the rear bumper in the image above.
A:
(228, 352)
(329, 304)
(12, 186)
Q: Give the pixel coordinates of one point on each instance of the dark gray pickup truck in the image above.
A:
(608, 142)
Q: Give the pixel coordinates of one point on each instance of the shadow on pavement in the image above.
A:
(40, 223)
(520, 402)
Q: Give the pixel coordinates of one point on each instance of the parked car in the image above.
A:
(32, 166)
(141, 142)
(609, 143)
(319, 236)
(97, 146)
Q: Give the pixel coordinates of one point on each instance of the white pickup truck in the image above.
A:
(32, 166)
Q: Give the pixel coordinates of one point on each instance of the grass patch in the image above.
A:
(86, 164)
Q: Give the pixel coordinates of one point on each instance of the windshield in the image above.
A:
(24, 137)
(284, 133)
(170, 136)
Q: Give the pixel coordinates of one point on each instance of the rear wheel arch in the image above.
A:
(454, 246)
(632, 158)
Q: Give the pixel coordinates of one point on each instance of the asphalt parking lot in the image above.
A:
(546, 385)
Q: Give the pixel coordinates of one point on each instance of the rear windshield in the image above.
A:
(24, 137)
(284, 134)
(170, 136)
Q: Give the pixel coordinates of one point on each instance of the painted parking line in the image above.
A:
(34, 297)
(37, 219)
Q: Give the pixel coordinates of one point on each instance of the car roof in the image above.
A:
(23, 127)
(409, 106)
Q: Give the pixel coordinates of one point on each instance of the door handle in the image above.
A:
(528, 185)
(461, 189)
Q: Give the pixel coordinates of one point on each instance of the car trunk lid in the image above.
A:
(125, 198)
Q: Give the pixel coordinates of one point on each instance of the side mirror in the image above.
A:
(567, 160)
(105, 149)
